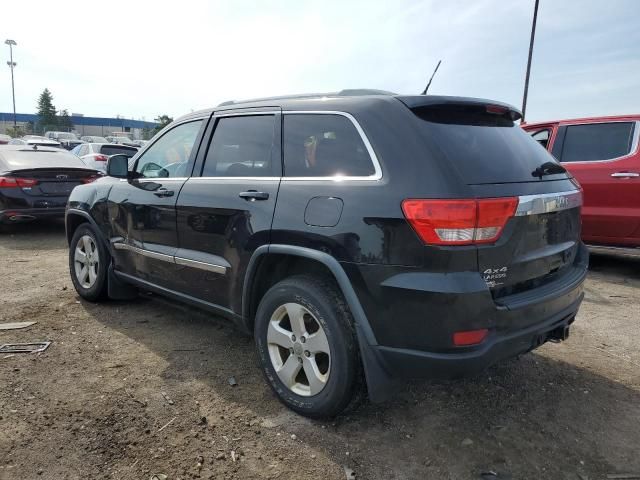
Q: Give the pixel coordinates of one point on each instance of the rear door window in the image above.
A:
(324, 145)
(597, 141)
(242, 146)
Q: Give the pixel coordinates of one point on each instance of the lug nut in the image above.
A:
(300, 359)
(291, 350)
(306, 353)
(302, 339)
(293, 338)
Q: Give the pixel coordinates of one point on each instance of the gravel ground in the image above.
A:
(128, 390)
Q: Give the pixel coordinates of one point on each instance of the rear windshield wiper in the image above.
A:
(548, 168)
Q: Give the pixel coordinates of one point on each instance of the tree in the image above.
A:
(46, 110)
(163, 121)
(64, 121)
(15, 132)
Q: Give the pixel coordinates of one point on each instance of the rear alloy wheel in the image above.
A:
(298, 349)
(307, 346)
(88, 262)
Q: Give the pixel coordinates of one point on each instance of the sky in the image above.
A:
(140, 59)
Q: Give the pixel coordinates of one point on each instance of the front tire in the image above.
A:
(307, 346)
(88, 263)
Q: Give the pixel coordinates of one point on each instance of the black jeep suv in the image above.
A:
(360, 236)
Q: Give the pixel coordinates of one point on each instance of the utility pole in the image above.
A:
(526, 80)
(12, 64)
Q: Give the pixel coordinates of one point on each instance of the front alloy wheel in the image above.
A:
(86, 261)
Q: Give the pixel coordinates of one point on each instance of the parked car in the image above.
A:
(602, 154)
(67, 140)
(4, 139)
(36, 183)
(359, 238)
(140, 143)
(121, 139)
(35, 140)
(96, 155)
(93, 139)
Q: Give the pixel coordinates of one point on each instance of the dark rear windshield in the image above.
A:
(113, 150)
(483, 147)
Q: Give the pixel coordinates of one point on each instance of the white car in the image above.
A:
(95, 155)
(35, 140)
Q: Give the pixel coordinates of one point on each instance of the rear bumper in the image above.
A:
(414, 315)
(406, 363)
(22, 215)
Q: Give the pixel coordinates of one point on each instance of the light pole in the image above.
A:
(526, 80)
(12, 64)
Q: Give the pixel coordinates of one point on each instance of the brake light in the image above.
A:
(459, 222)
(101, 158)
(16, 182)
(496, 109)
(469, 337)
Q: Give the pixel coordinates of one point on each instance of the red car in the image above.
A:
(602, 154)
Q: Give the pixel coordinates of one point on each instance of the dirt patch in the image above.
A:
(127, 390)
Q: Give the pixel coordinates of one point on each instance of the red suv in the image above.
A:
(602, 154)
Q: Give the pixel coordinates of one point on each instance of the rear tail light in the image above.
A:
(101, 158)
(16, 182)
(469, 337)
(459, 222)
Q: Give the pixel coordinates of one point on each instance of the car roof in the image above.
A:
(21, 157)
(602, 119)
(343, 100)
(114, 145)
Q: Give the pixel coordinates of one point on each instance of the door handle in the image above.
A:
(625, 175)
(163, 192)
(253, 195)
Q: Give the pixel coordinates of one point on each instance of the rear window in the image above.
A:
(112, 150)
(597, 141)
(483, 147)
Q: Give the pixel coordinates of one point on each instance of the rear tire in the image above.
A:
(88, 263)
(307, 346)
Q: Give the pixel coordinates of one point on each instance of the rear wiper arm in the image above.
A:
(548, 168)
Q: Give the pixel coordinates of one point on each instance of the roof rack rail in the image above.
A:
(349, 92)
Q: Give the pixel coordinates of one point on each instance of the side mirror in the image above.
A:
(118, 166)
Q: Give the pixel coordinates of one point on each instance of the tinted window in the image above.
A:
(324, 145)
(483, 147)
(598, 141)
(168, 157)
(242, 147)
(112, 150)
(542, 137)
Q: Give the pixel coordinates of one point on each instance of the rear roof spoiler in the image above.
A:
(417, 101)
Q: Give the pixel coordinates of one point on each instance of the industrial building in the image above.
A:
(98, 126)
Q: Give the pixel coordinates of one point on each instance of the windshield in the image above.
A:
(67, 136)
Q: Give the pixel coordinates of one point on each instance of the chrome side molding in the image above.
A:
(548, 202)
(211, 267)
